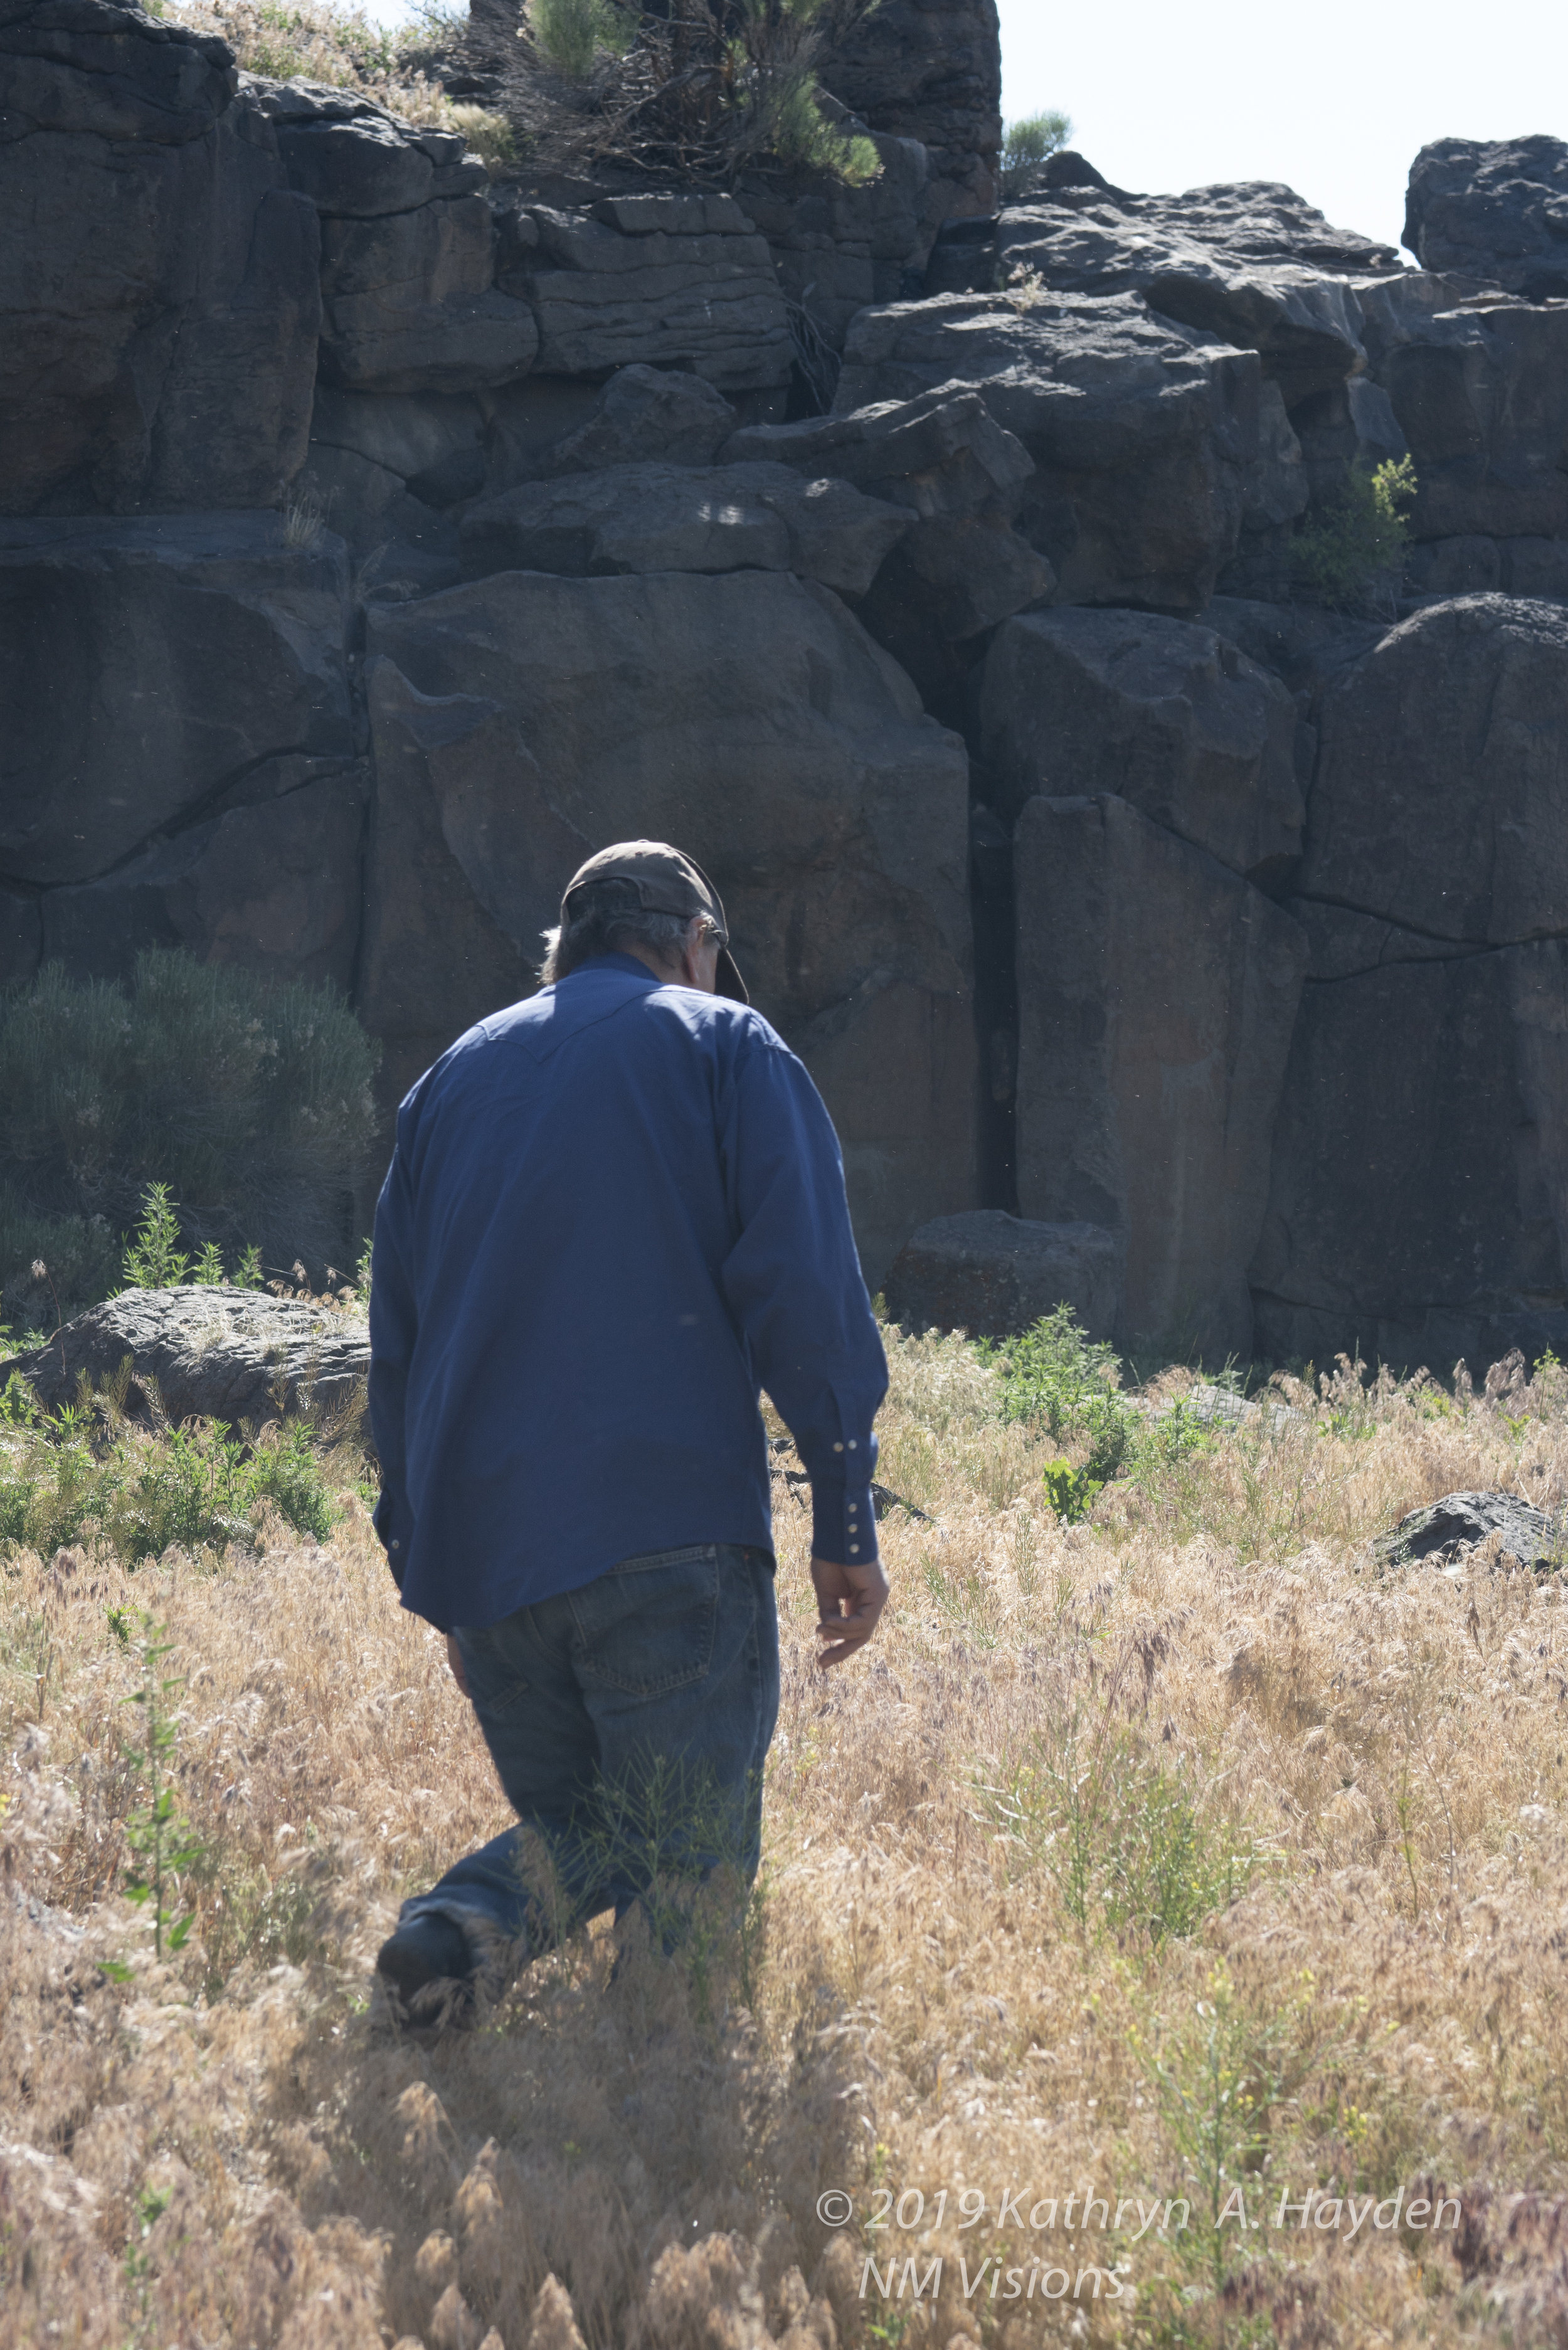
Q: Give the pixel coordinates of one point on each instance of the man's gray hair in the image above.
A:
(607, 918)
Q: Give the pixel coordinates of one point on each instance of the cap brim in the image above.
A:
(728, 981)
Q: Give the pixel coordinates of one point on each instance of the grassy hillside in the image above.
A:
(1151, 1870)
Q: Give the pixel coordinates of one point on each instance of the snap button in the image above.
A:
(838, 1448)
(852, 1446)
(854, 1547)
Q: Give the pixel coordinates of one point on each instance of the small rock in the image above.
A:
(1443, 1533)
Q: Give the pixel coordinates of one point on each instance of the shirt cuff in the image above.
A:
(843, 1523)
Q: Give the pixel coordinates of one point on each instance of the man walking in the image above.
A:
(615, 1210)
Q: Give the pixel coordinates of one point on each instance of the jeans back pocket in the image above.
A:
(647, 1626)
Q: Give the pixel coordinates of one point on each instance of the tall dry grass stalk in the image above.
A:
(1171, 1861)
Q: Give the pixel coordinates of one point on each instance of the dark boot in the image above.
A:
(428, 1950)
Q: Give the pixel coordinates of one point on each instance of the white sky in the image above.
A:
(1335, 98)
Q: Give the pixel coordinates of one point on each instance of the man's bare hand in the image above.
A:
(849, 1601)
(455, 1658)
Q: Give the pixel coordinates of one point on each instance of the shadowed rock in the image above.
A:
(752, 719)
(1157, 994)
(159, 291)
(1143, 435)
(151, 668)
(1172, 717)
(991, 1273)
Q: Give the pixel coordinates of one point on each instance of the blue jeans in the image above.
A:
(629, 1721)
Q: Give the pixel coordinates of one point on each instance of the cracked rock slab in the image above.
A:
(232, 1354)
(697, 297)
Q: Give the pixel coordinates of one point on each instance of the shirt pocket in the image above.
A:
(647, 1626)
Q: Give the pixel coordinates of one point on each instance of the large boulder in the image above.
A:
(991, 1273)
(1448, 1529)
(233, 1354)
(158, 277)
(636, 518)
(664, 280)
(1142, 434)
(747, 717)
(1422, 1155)
(1167, 714)
(1495, 210)
(410, 304)
(1157, 994)
(1480, 395)
(643, 416)
(151, 669)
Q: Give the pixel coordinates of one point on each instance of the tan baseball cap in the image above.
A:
(667, 882)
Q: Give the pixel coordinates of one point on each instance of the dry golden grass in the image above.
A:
(220, 2153)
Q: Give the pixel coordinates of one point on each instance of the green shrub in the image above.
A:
(1026, 144)
(1345, 555)
(83, 1468)
(1053, 1375)
(251, 1103)
(573, 32)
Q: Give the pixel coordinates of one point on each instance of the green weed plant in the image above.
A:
(86, 1471)
(1126, 1837)
(162, 1846)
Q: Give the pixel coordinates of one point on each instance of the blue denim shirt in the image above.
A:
(613, 1212)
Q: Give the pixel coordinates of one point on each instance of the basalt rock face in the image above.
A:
(748, 717)
(157, 671)
(1157, 992)
(1419, 1198)
(381, 538)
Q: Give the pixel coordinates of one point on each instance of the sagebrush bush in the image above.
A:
(1025, 144)
(706, 86)
(251, 1102)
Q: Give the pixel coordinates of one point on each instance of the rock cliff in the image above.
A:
(378, 536)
